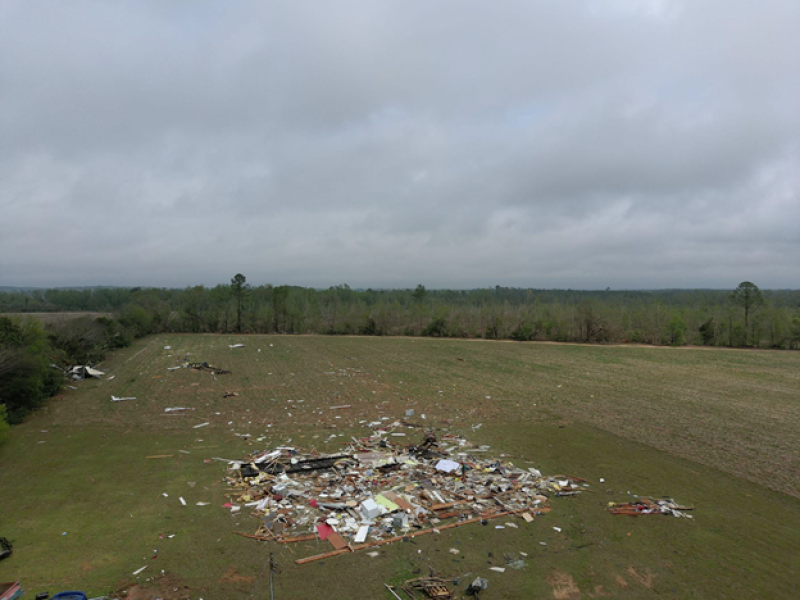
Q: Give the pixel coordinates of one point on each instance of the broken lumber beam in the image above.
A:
(332, 553)
(261, 538)
(447, 505)
(298, 538)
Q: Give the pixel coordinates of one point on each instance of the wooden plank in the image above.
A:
(299, 538)
(308, 559)
(261, 538)
(336, 541)
(448, 515)
(446, 505)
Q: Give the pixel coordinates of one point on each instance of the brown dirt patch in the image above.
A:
(231, 576)
(621, 582)
(646, 579)
(599, 592)
(162, 588)
(564, 586)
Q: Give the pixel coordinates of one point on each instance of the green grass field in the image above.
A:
(715, 429)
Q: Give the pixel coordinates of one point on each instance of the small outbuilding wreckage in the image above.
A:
(80, 372)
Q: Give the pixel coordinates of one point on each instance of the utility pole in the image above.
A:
(271, 571)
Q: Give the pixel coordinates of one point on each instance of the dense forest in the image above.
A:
(665, 317)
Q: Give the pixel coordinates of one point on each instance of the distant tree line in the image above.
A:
(745, 317)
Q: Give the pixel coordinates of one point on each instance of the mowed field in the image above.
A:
(715, 429)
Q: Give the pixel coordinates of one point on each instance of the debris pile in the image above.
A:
(81, 372)
(204, 366)
(376, 491)
(433, 587)
(649, 506)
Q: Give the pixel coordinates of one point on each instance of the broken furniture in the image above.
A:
(433, 587)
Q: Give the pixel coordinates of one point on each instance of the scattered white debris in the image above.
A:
(137, 571)
(201, 425)
(361, 534)
(235, 345)
(447, 466)
(176, 409)
(182, 500)
(115, 399)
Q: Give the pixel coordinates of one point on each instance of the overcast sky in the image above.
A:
(624, 143)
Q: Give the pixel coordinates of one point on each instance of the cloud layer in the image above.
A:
(586, 144)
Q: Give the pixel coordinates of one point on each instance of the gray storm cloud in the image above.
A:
(585, 144)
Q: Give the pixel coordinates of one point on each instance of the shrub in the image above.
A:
(4, 427)
(436, 328)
